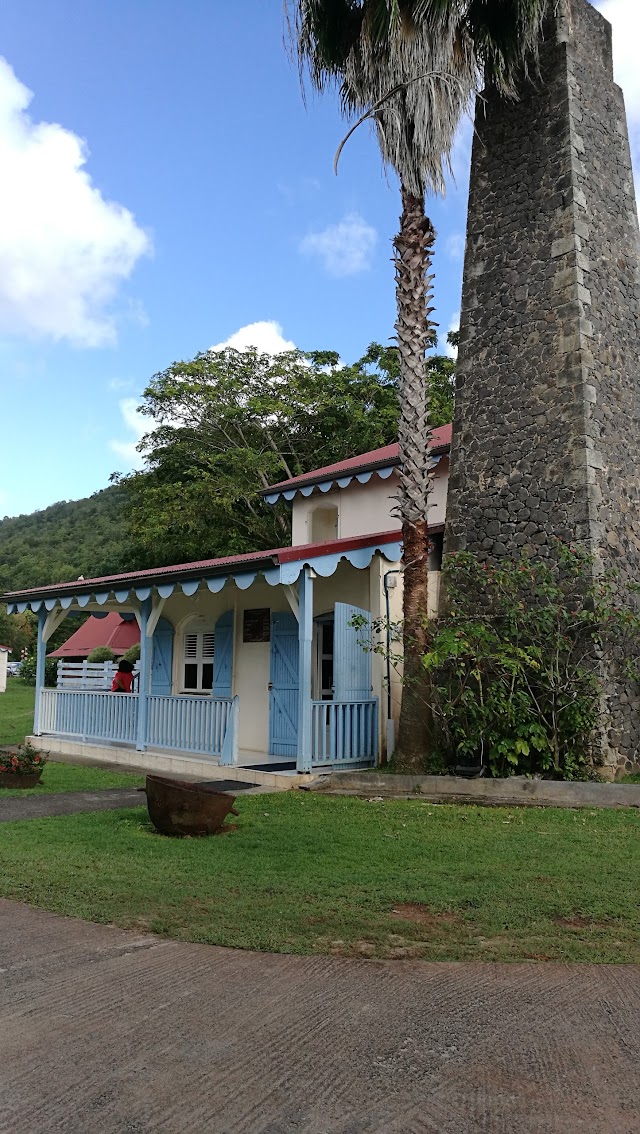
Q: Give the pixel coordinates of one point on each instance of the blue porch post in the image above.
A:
(305, 637)
(40, 660)
(146, 645)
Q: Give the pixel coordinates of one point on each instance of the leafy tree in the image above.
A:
(228, 424)
(184, 510)
(440, 373)
(411, 67)
(17, 631)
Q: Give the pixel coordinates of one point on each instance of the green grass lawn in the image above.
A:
(310, 874)
(16, 711)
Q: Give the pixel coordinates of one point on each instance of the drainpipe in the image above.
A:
(389, 584)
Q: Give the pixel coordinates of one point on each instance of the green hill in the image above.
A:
(76, 537)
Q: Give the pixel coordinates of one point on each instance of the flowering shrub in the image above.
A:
(23, 760)
(28, 671)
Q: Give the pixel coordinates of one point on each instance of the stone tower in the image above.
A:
(546, 438)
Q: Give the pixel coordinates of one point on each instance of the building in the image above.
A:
(260, 660)
(113, 630)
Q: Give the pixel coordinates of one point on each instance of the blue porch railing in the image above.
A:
(190, 724)
(85, 713)
(344, 732)
(186, 724)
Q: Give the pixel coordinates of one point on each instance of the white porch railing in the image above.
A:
(103, 716)
(203, 725)
(190, 724)
(344, 732)
(86, 675)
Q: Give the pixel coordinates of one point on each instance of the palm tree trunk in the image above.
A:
(414, 330)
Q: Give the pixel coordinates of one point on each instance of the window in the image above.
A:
(324, 524)
(198, 662)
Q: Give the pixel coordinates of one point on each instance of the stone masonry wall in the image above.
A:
(546, 439)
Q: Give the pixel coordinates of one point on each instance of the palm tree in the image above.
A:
(412, 67)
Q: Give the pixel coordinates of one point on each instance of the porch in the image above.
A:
(343, 733)
(262, 662)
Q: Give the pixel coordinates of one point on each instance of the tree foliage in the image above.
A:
(75, 537)
(227, 424)
(17, 631)
(210, 453)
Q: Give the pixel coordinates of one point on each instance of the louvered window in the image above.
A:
(198, 662)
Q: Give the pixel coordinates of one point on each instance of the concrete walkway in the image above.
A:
(107, 1032)
(67, 803)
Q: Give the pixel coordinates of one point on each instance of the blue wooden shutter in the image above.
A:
(223, 655)
(162, 659)
(351, 663)
(285, 682)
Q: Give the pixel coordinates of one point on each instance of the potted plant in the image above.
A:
(21, 767)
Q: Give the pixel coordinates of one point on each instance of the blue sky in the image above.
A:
(164, 188)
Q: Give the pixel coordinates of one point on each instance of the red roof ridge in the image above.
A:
(386, 454)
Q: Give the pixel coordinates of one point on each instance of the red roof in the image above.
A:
(267, 559)
(6, 649)
(113, 631)
(375, 458)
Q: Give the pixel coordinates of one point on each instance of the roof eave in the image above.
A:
(119, 582)
(353, 471)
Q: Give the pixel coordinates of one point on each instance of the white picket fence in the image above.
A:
(86, 675)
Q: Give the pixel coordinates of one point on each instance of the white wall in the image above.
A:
(4, 657)
(365, 508)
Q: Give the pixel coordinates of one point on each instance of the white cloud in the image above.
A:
(454, 325)
(345, 249)
(624, 15)
(266, 337)
(64, 249)
(454, 245)
(138, 426)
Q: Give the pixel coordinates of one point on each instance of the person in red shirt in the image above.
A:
(123, 678)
